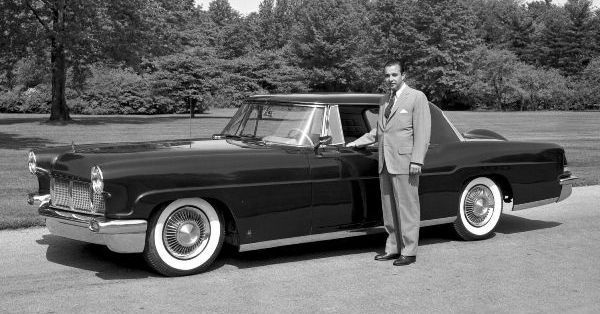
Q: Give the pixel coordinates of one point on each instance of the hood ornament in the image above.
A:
(72, 146)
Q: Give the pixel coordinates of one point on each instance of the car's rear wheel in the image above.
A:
(479, 209)
(184, 238)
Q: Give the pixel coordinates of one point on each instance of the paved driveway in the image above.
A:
(544, 259)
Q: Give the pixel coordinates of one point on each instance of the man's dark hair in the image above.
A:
(397, 62)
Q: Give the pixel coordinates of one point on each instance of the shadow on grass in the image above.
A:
(101, 120)
(15, 141)
(114, 266)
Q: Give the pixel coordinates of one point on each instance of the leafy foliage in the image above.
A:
(161, 56)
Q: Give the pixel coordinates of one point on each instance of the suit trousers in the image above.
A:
(400, 198)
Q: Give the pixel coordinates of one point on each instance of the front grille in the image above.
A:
(75, 195)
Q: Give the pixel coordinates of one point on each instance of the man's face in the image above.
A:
(393, 77)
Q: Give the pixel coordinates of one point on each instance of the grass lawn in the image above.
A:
(578, 132)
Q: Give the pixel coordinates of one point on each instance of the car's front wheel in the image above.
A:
(479, 209)
(184, 238)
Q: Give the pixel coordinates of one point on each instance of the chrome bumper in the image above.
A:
(567, 187)
(121, 236)
(566, 184)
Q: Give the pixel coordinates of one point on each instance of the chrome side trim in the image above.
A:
(310, 238)
(121, 236)
(439, 221)
(535, 204)
(331, 235)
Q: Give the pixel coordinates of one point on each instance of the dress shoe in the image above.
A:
(405, 260)
(386, 256)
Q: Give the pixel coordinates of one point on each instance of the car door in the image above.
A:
(345, 184)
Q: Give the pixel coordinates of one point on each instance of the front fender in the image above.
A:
(145, 204)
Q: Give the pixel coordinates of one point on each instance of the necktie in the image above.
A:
(388, 108)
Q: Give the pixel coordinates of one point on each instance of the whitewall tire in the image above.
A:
(479, 209)
(184, 238)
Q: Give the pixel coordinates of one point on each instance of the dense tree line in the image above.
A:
(164, 56)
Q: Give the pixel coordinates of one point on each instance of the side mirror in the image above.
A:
(323, 140)
(218, 136)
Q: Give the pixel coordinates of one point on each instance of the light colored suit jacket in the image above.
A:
(403, 137)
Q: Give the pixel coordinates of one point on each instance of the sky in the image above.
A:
(242, 6)
(247, 6)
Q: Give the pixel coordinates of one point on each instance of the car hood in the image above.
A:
(76, 161)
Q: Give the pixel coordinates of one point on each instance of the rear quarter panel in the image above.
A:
(526, 171)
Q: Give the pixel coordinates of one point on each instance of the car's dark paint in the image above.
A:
(278, 191)
(483, 134)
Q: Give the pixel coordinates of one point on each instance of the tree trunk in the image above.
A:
(59, 110)
(193, 108)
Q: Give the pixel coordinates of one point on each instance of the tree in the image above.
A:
(588, 86)
(55, 27)
(329, 41)
(441, 53)
(81, 32)
(566, 37)
(492, 81)
(578, 49)
(270, 71)
(18, 34)
(222, 13)
(272, 26)
(541, 88)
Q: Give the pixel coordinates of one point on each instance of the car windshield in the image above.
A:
(296, 125)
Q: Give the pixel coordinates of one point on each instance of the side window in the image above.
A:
(357, 120)
(441, 130)
(372, 115)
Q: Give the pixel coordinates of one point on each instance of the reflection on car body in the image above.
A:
(279, 174)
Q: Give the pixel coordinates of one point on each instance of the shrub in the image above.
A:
(543, 89)
(36, 100)
(10, 101)
(30, 72)
(117, 91)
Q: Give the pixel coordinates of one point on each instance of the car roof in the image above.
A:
(322, 98)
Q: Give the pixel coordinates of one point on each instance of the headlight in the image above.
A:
(32, 163)
(97, 180)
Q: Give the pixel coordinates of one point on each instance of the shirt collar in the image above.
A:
(399, 91)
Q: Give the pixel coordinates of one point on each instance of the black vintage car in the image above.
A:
(279, 174)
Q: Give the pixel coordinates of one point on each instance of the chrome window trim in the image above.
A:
(336, 123)
(458, 134)
(294, 104)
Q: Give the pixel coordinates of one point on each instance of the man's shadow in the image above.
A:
(110, 266)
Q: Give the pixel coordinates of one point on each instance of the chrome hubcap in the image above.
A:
(479, 205)
(186, 232)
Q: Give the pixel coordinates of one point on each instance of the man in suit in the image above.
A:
(403, 131)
